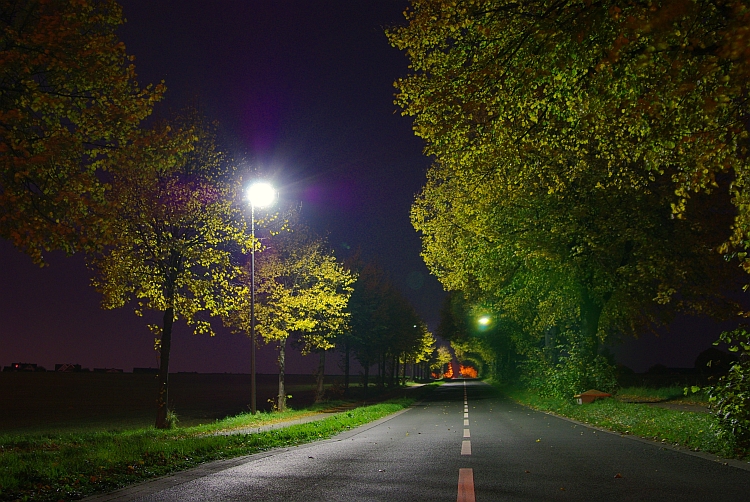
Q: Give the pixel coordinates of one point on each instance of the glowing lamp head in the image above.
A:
(260, 194)
(485, 320)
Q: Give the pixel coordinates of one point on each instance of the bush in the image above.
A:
(730, 397)
(572, 374)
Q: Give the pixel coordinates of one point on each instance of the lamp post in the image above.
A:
(259, 195)
(484, 320)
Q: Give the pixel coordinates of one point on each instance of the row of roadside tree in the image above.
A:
(591, 172)
(156, 203)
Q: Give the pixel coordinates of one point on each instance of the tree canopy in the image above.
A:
(177, 230)
(640, 88)
(385, 327)
(68, 98)
(586, 154)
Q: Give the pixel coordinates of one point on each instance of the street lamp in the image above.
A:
(259, 195)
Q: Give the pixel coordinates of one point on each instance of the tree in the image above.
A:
(177, 228)
(419, 349)
(68, 99)
(554, 177)
(441, 357)
(641, 88)
(302, 290)
(385, 328)
(329, 296)
(369, 319)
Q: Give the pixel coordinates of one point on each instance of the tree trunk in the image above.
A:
(162, 400)
(591, 311)
(320, 375)
(550, 350)
(346, 367)
(381, 371)
(367, 376)
(393, 374)
(281, 398)
(396, 370)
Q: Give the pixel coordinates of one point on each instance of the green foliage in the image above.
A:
(570, 144)
(441, 358)
(730, 397)
(383, 323)
(575, 371)
(173, 419)
(302, 289)
(650, 394)
(175, 222)
(69, 99)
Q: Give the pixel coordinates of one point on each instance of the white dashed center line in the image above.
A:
(466, 476)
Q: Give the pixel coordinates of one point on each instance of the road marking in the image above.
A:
(466, 433)
(466, 447)
(466, 415)
(466, 422)
(466, 486)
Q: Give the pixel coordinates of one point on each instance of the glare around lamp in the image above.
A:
(260, 194)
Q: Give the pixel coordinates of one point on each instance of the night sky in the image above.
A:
(305, 87)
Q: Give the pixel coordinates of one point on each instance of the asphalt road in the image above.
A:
(463, 443)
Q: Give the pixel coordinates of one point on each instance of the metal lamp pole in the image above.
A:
(260, 195)
(253, 400)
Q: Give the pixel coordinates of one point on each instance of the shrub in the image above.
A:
(730, 397)
(572, 374)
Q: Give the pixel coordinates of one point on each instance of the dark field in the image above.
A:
(41, 402)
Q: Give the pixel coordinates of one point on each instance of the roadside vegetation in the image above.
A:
(54, 467)
(584, 189)
(675, 394)
(633, 411)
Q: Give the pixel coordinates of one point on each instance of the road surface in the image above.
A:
(464, 443)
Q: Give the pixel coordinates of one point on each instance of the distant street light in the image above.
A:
(485, 320)
(259, 195)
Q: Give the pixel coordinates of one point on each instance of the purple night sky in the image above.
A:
(306, 88)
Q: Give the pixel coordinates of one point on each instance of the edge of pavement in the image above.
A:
(739, 464)
(147, 487)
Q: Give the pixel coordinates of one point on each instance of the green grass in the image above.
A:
(695, 431)
(674, 393)
(56, 467)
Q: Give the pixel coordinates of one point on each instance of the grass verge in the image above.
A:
(675, 394)
(72, 466)
(695, 431)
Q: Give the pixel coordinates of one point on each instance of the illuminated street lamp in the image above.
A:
(485, 320)
(259, 195)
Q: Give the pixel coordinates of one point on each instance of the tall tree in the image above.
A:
(385, 328)
(567, 136)
(330, 297)
(369, 318)
(68, 98)
(177, 226)
(302, 291)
